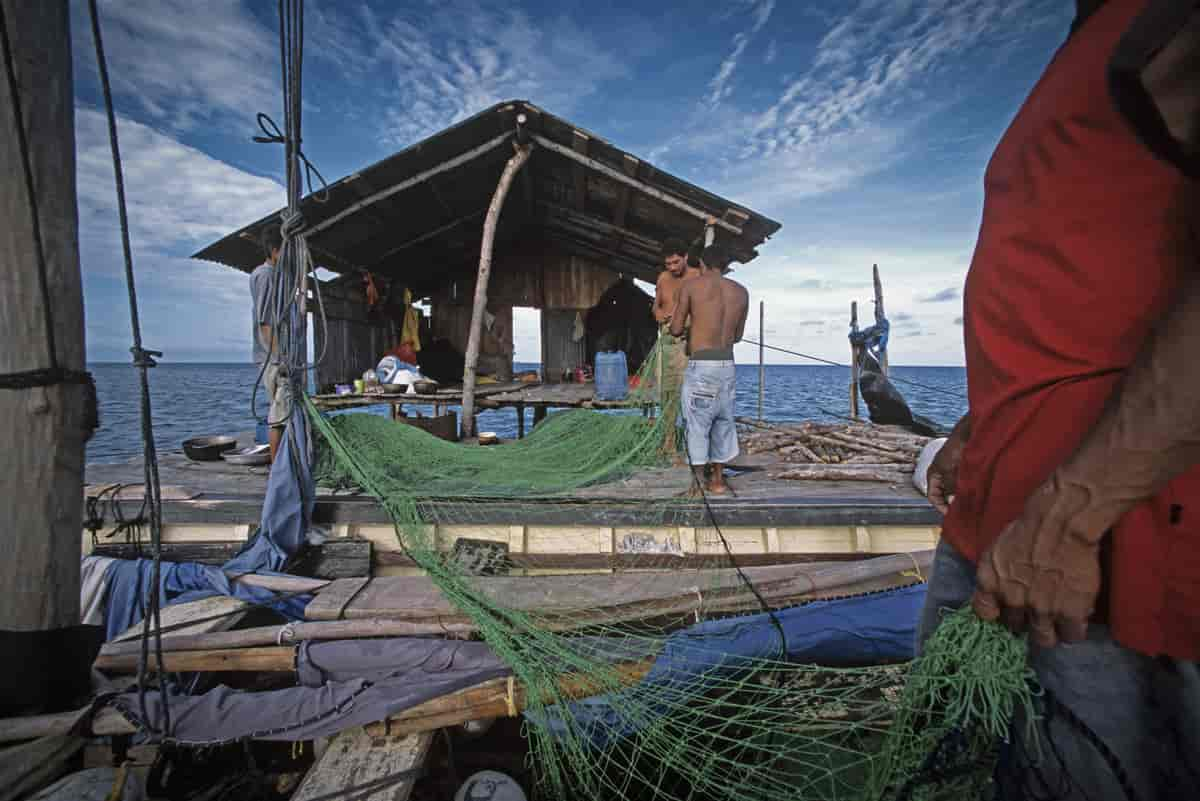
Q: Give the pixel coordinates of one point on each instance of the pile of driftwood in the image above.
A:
(846, 451)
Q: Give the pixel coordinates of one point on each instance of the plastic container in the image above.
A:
(612, 376)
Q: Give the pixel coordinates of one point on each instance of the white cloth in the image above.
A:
(921, 472)
(93, 589)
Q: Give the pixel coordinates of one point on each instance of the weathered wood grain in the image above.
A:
(41, 428)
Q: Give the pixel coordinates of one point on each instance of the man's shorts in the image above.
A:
(279, 394)
(709, 389)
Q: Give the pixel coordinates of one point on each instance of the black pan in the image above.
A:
(207, 449)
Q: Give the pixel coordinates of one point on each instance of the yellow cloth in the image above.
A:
(410, 332)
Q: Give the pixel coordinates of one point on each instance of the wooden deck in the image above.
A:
(600, 527)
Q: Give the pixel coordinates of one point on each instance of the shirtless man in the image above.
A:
(676, 271)
(717, 307)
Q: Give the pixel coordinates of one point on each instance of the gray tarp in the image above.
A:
(343, 683)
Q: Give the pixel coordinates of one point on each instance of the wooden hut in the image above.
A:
(582, 216)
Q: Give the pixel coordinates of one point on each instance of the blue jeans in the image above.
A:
(707, 397)
(1145, 710)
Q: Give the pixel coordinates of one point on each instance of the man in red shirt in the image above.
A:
(1071, 490)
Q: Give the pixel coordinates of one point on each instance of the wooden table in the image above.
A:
(542, 397)
(440, 400)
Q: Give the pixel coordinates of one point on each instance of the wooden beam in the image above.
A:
(42, 428)
(419, 178)
(514, 164)
(430, 234)
(579, 144)
(362, 766)
(640, 186)
(107, 722)
(27, 768)
(630, 165)
(500, 698)
(279, 659)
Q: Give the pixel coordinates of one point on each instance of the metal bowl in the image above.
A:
(425, 387)
(395, 389)
(207, 449)
(254, 455)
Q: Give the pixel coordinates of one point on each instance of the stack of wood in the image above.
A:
(848, 451)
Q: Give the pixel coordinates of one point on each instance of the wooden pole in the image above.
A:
(481, 282)
(274, 658)
(879, 314)
(762, 370)
(42, 428)
(854, 363)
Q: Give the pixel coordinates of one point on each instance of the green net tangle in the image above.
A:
(761, 728)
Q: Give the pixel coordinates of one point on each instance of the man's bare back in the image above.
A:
(717, 307)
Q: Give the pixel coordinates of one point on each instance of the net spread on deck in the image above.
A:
(759, 727)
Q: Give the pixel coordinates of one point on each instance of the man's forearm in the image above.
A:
(1150, 431)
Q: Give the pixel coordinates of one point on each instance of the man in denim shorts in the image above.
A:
(716, 308)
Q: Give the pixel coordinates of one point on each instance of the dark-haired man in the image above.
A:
(266, 356)
(717, 310)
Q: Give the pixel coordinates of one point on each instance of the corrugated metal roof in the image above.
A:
(418, 215)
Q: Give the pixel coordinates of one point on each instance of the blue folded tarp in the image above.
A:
(286, 514)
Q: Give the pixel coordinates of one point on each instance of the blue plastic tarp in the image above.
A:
(861, 630)
(286, 515)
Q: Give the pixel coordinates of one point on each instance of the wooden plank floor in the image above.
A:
(221, 492)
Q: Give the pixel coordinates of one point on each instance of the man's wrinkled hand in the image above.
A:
(942, 477)
(1043, 573)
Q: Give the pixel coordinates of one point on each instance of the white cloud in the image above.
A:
(443, 63)
(178, 198)
(180, 62)
(808, 289)
(853, 108)
(772, 52)
(719, 88)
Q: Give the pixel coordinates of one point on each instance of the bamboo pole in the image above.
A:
(879, 314)
(481, 283)
(854, 362)
(42, 428)
(762, 370)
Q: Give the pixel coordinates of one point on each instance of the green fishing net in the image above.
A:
(763, 727)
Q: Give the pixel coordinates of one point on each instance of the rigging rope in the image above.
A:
(951, 392)
(142, 359)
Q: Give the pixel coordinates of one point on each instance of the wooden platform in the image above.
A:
(595, 528)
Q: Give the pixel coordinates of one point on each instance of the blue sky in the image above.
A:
(864, 127)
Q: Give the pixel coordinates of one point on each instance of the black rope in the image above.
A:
(951, 392)
(271, 135)
(142, 359)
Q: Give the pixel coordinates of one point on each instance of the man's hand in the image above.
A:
(1043, 572)
(942, 477)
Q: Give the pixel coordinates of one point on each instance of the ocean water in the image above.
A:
(189, 400)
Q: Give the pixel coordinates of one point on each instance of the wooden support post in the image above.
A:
(854, 361)
(520, 421)
(481, 282)
(42, 428)
(879, 315)
(762, 369)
